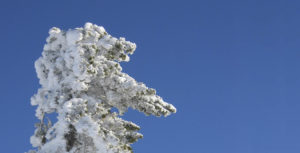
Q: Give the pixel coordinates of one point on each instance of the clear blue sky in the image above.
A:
(230, 67)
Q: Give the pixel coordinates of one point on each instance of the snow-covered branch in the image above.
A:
(81, 80)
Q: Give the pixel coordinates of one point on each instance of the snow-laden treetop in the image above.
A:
(81, 80)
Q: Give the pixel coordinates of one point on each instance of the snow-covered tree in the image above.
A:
(82, 80)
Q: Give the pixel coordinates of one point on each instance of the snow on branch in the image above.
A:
(82, 80)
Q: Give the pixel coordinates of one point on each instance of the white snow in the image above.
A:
(81, 80)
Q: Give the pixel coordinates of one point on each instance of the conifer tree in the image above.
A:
(82, 80)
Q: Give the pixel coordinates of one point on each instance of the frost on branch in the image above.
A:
(81, 80)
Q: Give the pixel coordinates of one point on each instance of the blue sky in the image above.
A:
(230, 67)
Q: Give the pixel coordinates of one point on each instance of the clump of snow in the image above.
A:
(82, 81)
